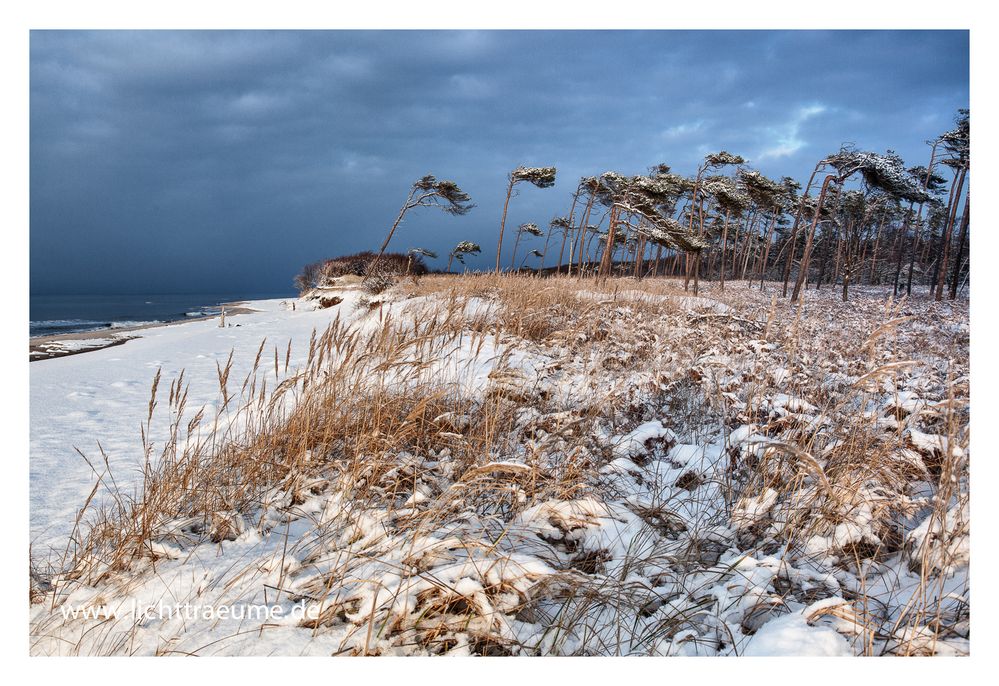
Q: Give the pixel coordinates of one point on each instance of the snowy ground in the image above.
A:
(671, 475)
(102, 397)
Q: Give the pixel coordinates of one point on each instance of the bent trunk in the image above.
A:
(803, 269)
(499, 246)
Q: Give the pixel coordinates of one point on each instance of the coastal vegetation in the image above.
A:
(858, 220)
(732, 418)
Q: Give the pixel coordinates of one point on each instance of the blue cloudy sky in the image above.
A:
(223, 161)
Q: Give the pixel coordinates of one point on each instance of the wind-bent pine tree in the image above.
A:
(529, 228)
(562, 225)
(418, 252)
(792, 241)
(884, 172)
(783, 202)
(765, 194)
(533, 253)
(588, 185)
(713, 161)
(961, 242)
(542, 177)
(732, 201)
(591, 232)
(934, 185)
(463, 248)
(958, 146)
(643, 198)
(427, 192)
(855, 211)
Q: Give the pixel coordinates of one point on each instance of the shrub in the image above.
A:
(319, 274)
(310, 277)
(377, 283)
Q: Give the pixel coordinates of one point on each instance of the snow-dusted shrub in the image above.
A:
(377, 283)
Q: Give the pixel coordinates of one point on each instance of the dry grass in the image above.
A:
(418, 505)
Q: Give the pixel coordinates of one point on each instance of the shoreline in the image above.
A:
(51, 346)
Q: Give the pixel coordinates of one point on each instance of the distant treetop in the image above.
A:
(720, 159)
(542, 177)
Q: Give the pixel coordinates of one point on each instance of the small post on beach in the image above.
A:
(222, 320)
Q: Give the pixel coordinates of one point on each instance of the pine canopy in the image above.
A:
(542, 177)
(441, 193)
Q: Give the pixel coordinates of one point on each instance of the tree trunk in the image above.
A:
(724, 246)
(747, 250)
(690, 224)
(639, 254)
(942, 268)
(697, 270)
(499, 246)
(608, 259)
(582, 236)
(516, 242)
(962, 241)
(913, 247)
(766, 250)
(794, 231)
(803, 269)
(839, 253)
(739, 251)
(398, 220)
(544, 253)
(565, 234)
(848, 266)
(874, 252)
(916, 229)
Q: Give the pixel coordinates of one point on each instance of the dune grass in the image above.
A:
(448, 474)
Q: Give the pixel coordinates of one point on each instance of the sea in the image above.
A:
(55, 314)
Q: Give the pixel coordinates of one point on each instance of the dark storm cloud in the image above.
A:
(223, 161)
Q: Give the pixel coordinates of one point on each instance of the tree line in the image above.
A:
(861, 218)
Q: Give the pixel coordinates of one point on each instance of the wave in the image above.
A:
(51, 327)
(126, 324)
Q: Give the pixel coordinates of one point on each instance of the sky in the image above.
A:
(207, 161)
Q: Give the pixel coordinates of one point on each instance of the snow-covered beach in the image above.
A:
(560, 469)
(101, 396)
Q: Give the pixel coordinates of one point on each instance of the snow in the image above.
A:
(635, 442)
(102, 396)
(953, 529)
(687, 302)
(793, 635)
(666, 542)
(78, 344)
(930, 443)
(749, 510)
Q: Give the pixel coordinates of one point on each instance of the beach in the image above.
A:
(95, 403)
(495, 450)
(63, 344)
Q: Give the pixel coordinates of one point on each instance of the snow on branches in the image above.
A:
(542, 177)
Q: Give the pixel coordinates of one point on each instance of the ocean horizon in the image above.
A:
(79, 313)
